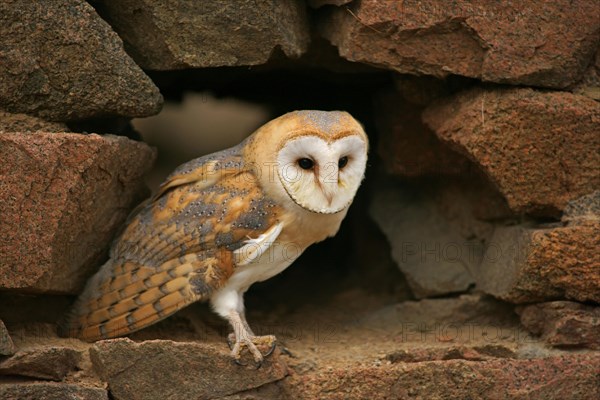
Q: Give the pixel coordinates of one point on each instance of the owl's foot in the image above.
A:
(243, 336)
(251, 343)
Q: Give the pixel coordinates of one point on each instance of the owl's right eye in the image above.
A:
(306, 163)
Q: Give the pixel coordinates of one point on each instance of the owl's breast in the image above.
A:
(274, 260)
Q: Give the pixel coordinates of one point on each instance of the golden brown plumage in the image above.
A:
(177, 248)
(224, 221)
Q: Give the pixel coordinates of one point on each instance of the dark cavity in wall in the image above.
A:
(330, 267)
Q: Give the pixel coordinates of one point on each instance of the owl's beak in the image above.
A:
(328, 182)
(329, 197)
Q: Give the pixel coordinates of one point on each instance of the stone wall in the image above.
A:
(468, 267)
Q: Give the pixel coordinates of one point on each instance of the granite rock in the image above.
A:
(50, 391)
(10, 122)
(563, 323)
(525, 264)
(162, 369)
(539, 149)
(61, 61)
(45, 362)
(62, 198)
(7, 347)
(536, 44)
(435, 251)
(176, 34)
(407, 146)
(573, 376)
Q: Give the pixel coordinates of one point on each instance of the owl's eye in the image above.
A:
(342, 162)
(306, 163)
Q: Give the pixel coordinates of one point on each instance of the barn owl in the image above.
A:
(221, 222)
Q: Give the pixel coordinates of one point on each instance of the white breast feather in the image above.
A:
(259, 260)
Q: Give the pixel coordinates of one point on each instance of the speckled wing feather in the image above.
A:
(177, 248)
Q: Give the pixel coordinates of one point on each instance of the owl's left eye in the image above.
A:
(306, 163)
(342, 162)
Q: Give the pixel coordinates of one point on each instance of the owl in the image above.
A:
(221, 222)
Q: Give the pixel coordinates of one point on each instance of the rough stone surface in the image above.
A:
(7, 347)
(53, 363)
(435, 252)
(568, 377)
(540, 150)
(185, 370)
(26, 123)
(61, 61)
(407, 146)
(466, 308)
(586, 208)
(420, 90)
(353, 345)
(563, 323)
(175, 34)
(470, 199)
(50, 391)
(590, 83)
(530, 265)
(497, 42)
(62, 197)
(270, 391)
(371, 247)
(473, 353)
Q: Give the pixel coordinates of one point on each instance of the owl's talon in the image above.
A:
(251, 344)
(239, 362)
(231, 340)
(286, 351)
(271, 350)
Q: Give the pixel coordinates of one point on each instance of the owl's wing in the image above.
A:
(178, 248)
(204, 171)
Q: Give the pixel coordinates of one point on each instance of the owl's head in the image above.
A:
(315, 158)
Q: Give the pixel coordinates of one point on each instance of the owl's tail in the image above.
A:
(125, 297)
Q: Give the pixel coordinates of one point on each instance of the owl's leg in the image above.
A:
(245, 338)
(231, 336)
(242, 312)
(243, 317)
(230, 304)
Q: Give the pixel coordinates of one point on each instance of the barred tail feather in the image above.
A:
(121, 299)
